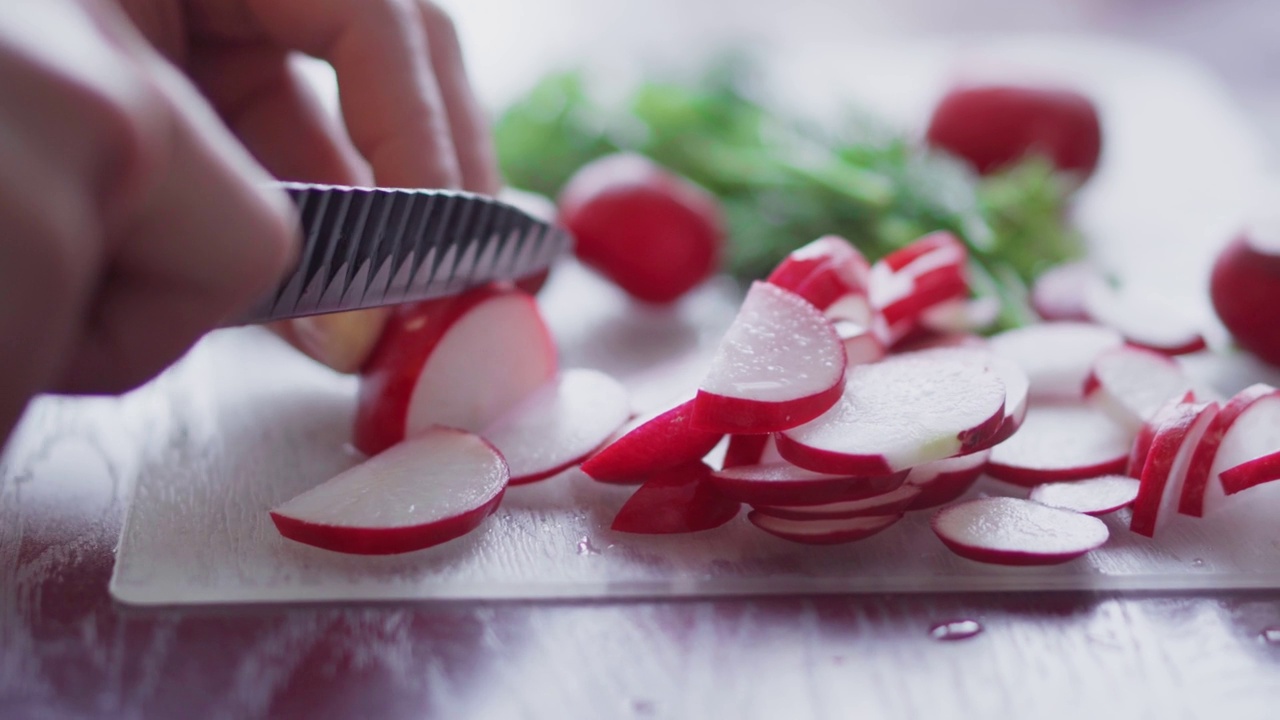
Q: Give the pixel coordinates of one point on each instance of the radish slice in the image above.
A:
(782, 483)
(780, 364)
(1016, 383)
(1061, 441)
(434, 487)
(676, 500)
(1056, 356)
(460, 362)
(961, 315)
(659, 443)
(823, 271)
(1178, 429)
(1132, 383)
(1012, 531)
(910, 280)
(822, 531)
(1251, 473)
(1261, 402)
(561, 423)
(942, 481)
(893, 502)
(1059, 292)
(745, 450)
(1094, 496)
(1144, 320)
(853, 307)
(900, 412)
(861, 343)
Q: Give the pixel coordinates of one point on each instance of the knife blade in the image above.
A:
(366, 247)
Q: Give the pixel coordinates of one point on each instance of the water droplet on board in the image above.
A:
(1197, 562)
(1270, 635)
(643, 707)
(955, 630)
(586, 548)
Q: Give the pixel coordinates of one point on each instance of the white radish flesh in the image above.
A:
(1179, 428)
(1059, 292)
(1056, 356)
(561, 423)
(1201, 487)
(893, 502)
(1144, 320)
(898, 413)
(823, 531)
(1132, 383)
(779, 364)
(961, 315)
(1093, 496)
(1061, 441)
(942, 481)
(1012, 531)
(434, 487)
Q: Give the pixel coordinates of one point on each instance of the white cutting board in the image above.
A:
(249, 423)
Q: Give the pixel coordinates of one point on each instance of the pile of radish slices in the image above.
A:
(843, 396)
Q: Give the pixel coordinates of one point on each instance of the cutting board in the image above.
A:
(245, 423)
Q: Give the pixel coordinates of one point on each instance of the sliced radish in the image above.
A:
(1061, 441)
(1261, 403)
(1251, 473)
(861, 343)
(854, 307)
(942, 481)
(660, 442)
(961, 315)
(434, 487)
(1144, 320)
(822, 531)
(900, 412)
(926, 253)
(910, 280)
(1016, 382)
(1094, 496)
(745, 450)
(1133, 383)
(1179, 427)
(1059, 292)
(781, 483)
(894, 502)
(460, 361)
(676, 500)
(1012, 531)
(1056, 356)
(780, 364)
(823, 271)
(561, 423)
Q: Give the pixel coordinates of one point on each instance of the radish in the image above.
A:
(1262, 403)
(1246, 279)
(559, 424)
(1179, 426)
(824, 271)
(1012, 531)
(893, 502)
(1144, 320)
(1094, 496)
(1016, 383)
(781, 483)
(1056, 356)
(942, 481)
(861, 343)
(1061, 441)
(993, 126)
(654, 233)
(1132, 383)
(1059, 292)
(855, 307)
(746, 450)
(1251, 473)
(658, 443)
(900, 412)
(676, 500)
(822, 531)
(459, 361)
(434, 487)
(961, 315)
(909, 281)
(779, 364)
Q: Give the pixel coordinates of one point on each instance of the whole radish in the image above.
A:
(993, 126)
(654, 233)
(1245, 289)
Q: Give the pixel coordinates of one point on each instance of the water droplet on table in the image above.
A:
(1270, 635)
(955, 630)
(586, 548)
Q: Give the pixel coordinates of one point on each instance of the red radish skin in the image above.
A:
(994, 125)
(861, 344)
(676, 500)
(1132, 383)
(745, 450)
(1138, 452)
(1251, 473)
(1059, 292)
(781, 483)
(898, 413)
(661, 442)
(1144, 320)
(1056, 356)
(779, 364)
(1179, 427)
(1200, 469)
(942, 248)
(559, 424)
(824, 531)
(460, 361)
(437, 486)
(1244, 287)
(1094, 496)
(894, 502)
(652, 232)
(1061, 441)
(944, 481)
(823, 271)
(1012, 531)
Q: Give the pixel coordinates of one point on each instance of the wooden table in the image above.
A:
(67, 651)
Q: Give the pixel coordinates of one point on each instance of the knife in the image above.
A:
(365, 247)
